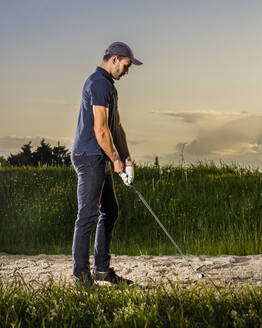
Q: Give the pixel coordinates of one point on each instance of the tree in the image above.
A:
(156, 161)
(43, 154)
(60, 155)
(25, 157)
(27, 154)
(3, 162)
(16, 159)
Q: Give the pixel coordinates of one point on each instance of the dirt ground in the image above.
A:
(225, 269)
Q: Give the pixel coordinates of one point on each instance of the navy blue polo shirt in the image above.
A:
(98, 90)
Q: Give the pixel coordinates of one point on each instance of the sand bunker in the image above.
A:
(225, 269)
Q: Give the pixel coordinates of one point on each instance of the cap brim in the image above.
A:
(135, 61)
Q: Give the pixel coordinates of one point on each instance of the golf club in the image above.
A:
(196, 270)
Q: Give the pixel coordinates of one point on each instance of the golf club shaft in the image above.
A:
(161, 225)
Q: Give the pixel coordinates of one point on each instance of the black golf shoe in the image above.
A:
(85, 281)
(111, 276)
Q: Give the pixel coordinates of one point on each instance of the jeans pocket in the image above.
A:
(77, 159)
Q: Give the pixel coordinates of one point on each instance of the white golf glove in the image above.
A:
(124, 178)
(128, 175)
(130, 172)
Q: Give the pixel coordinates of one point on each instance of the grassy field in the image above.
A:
(207, 209)
(173, 305)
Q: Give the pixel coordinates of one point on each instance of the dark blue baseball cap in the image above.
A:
(122, 49)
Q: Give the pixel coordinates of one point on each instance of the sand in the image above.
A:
(225, 269)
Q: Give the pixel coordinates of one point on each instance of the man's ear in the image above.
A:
(114, 59)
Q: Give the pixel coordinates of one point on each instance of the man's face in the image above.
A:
(120, 67)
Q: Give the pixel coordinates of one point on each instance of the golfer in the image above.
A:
(99, 143)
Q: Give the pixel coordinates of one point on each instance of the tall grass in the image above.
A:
(207, 209)
(57, 305)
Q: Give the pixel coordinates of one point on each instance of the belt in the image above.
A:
(107, 160)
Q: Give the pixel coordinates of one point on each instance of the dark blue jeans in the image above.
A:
(96, 199)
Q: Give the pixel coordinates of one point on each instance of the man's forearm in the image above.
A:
(105, 141)
(121, 143)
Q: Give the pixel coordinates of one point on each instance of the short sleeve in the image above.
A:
(100, 93)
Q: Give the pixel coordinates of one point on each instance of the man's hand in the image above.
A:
(118, 166)
(125, 178)
(130, 172)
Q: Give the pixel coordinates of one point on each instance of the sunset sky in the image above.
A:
(200, 83)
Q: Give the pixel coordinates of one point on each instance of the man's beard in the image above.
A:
(117, 74)
(116, 77)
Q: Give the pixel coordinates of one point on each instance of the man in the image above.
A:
(100, 140)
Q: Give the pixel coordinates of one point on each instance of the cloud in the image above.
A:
(226, 136)
(201, 115)
(13, 144)
(234, 138)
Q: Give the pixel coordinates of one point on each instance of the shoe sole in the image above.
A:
(103, 283)
(108, 283)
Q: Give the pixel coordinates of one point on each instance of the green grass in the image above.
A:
(207, 209)
(57, 305)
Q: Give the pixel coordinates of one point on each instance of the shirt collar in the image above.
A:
(105, 74)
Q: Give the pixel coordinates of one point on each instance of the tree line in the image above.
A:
(44, 154)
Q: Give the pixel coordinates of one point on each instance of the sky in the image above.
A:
(197, 95)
